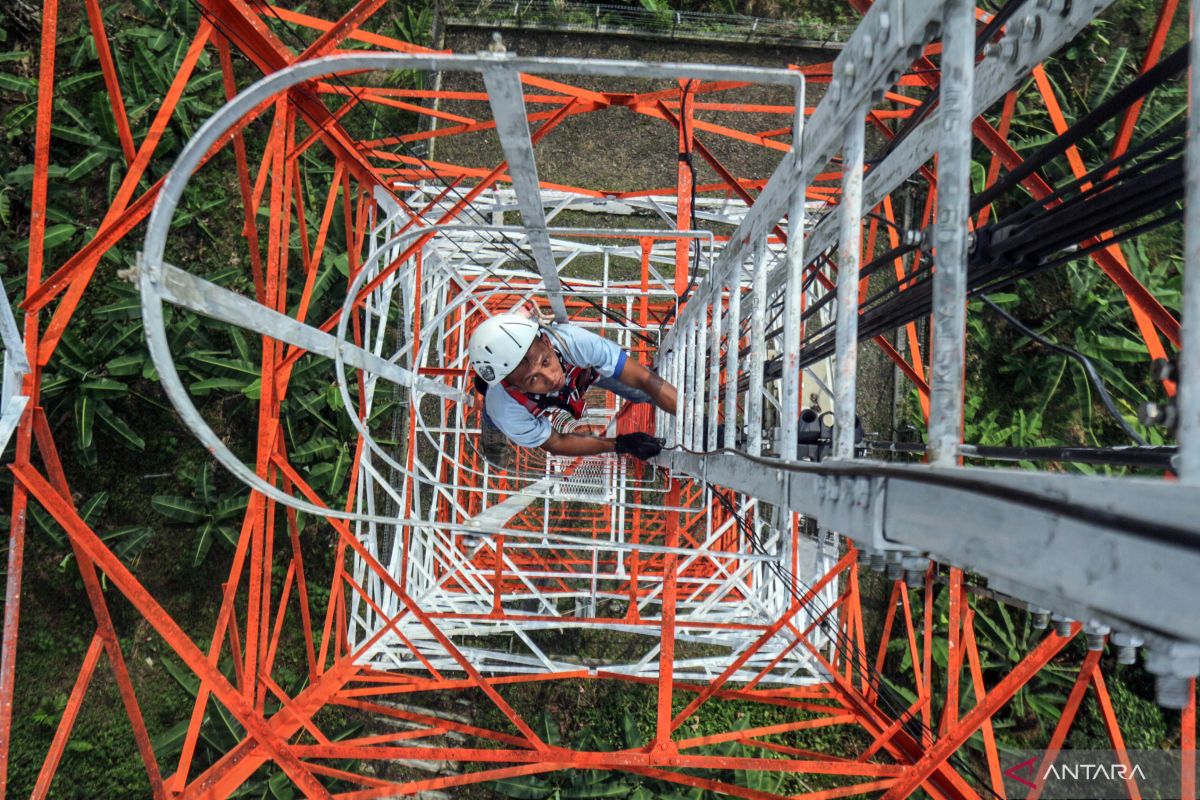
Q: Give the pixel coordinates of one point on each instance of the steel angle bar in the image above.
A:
(733, 339)
(508, 108)
(161, 281)
(549, 540)
(497, 516)
(712, 413)
(1189, 356)
(758, 350)
(189, 291)
(16, 367)
(1087, 546)
(1055, 25)
(10, 416)
(950, 232)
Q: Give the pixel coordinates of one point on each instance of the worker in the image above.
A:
(527, 367)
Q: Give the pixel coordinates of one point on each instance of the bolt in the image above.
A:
(1161, 369)
(878, 562)
(1127, 645)
(1062, 625)
(1171, 691)
(1151, 413)
(914, 569)
(1041, 618)
(895, 571)
(1173, 665)
(1032, 29)
(862, 491)
(864, 557)
(1096, 633)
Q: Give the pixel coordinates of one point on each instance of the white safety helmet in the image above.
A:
(498, 344)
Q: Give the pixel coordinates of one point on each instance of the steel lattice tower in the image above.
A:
(729, 568)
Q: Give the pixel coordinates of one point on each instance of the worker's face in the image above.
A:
(540, 372)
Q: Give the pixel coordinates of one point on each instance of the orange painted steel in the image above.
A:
(269, 593)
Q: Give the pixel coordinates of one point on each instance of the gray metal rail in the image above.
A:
(1086, 548)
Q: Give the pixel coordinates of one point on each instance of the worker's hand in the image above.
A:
(531, 309)
(640, 445)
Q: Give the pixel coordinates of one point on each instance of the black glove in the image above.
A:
(640, 445)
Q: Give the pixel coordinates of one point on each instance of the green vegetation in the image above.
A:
(1018, 392)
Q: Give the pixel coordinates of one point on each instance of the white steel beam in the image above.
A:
(950, 233)
(508, 109)
(1082, 545)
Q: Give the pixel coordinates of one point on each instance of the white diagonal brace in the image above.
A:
(508, 108)
(16, 366)
(196, 294)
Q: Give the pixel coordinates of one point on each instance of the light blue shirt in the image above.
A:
(577, 346)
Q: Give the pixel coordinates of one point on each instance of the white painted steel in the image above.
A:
(16, 367)
(950, 233)
(758, 351)
(845, 383)
(1189, 354)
